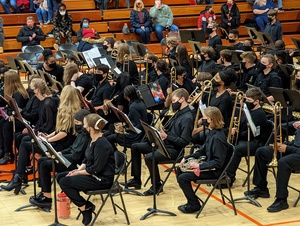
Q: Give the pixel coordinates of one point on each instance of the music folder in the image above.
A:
(155, 138)
(255, 130)
(124, 118)
(90, 55)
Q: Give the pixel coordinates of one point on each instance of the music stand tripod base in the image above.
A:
(154, 210)
(249, 198)
(32, 205)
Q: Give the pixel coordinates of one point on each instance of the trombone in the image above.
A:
(277, 137)
(114, 54)
(107, 104)
(173, 74)
(146, 78)
(235, 120)
(126, 60)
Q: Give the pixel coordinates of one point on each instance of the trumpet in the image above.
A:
(235, 120)
(107, 105)
(277, 137)
(185, 167)
(207, 88)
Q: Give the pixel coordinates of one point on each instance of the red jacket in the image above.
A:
(205, 17)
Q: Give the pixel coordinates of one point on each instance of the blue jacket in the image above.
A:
(135, 21)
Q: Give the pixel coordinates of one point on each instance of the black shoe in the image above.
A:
(278, 205)
(6, 159)
(187, 208)
(42, 202)
(37, 197)
(151, 192)
(87, 213)
(134, 183)
(257, 192)
(15, 183)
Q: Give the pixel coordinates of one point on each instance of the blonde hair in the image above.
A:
(259, 2)
(12, 84)
(215, 116)
(136, 2)
(122, 49)
(94, 121)
(40, 84)
(173, 41)
(271, 60)
(69, 71)
(68, 106)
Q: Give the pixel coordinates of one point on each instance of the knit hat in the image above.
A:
(81, 114)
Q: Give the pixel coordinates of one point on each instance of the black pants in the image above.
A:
(72, 186)
(145, 148)
(241, 150)
(184, 180)
(45, 169)
(286, 165)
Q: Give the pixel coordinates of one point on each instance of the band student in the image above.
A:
(215, 149)
(176, 135)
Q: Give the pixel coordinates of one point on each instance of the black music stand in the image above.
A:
(193, 35)
(256, 132)
(157, 144)
(253, 33)
(55, 158)
(126, 123)
(35, 140)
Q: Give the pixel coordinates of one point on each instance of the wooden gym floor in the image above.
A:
(213, 214)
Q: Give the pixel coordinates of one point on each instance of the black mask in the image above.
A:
(78, 128)
(105, 47)
(176, 106)
(270, 19)
(85, 132)
(297, 83)
(52, 65)
(209, 30)
(205, 122)
(98, 77)
(250, 106)
(215, 83)
(262, 67)
(202, 57)
(149, 65)
(243, 64)
(231, 40)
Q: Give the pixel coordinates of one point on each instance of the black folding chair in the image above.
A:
(110, 193)
(217, 182)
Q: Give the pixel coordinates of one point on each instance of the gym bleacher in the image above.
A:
(110, 22)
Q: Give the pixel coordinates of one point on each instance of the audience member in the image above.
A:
(85, 35)
(206, 16)
(274, 27)
(1, 35)
(52, 7)
(13, 4)
(230, 17)
(42, 12)
(260, 10)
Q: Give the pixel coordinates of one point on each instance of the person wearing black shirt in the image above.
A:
(75, 78)
(108, 45)
(96, 171)
(225, 60)
(182, 81)
(274, 27)
(176, 135)
(163, 73)
(230, 16)
(258, 115)
(50, 66)
(233, 38)
(170, 51)
(207, 62)
(184, 60)
(268, 77)
(74, 153)
(103, 90)
(213, 39)
(215, 150)
(152, 76)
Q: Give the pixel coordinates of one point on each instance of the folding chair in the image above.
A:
(173, 163)
(223, 179)
(67, 48)
(110, 193)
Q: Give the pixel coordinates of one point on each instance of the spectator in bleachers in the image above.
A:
(230, 17)
(85, 35)
(108, 45)
(233, 38)
(274, 27)
(260, 9)
(128, 3)
(62, 25)
(13, 4)
(140, 21)
(42, 12)
(162, 18)
(104, 4)
(30, 34)
(1, 35)
(213, 39)
(52, 7)
(205, 17)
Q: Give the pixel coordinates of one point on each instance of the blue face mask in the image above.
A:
(85, 25)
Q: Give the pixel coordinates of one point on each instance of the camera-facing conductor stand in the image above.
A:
(256, 132)
(157, 145)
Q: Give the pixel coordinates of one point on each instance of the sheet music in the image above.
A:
(103, 60)
(255, 130)
(88, 60)
(202, 107)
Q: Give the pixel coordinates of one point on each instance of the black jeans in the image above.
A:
(72, 186)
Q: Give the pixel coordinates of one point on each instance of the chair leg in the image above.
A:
(113, 204)
(124, 207)
(165, 180)
(248, 175)
(147, 181)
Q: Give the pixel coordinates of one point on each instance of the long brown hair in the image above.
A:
(215, 116)
(123, 49)
(69, 71)
(12, 83)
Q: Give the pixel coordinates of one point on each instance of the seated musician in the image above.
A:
(137, 112)
(234, 40)
(152, 75)
(207, 62)
(183, 59)
(163, 73)
(224, 62)
(219, 98)
(215, 149)
(253, 99)
(176, 135)
(289, 162)
(268, 77)
(103, 90)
